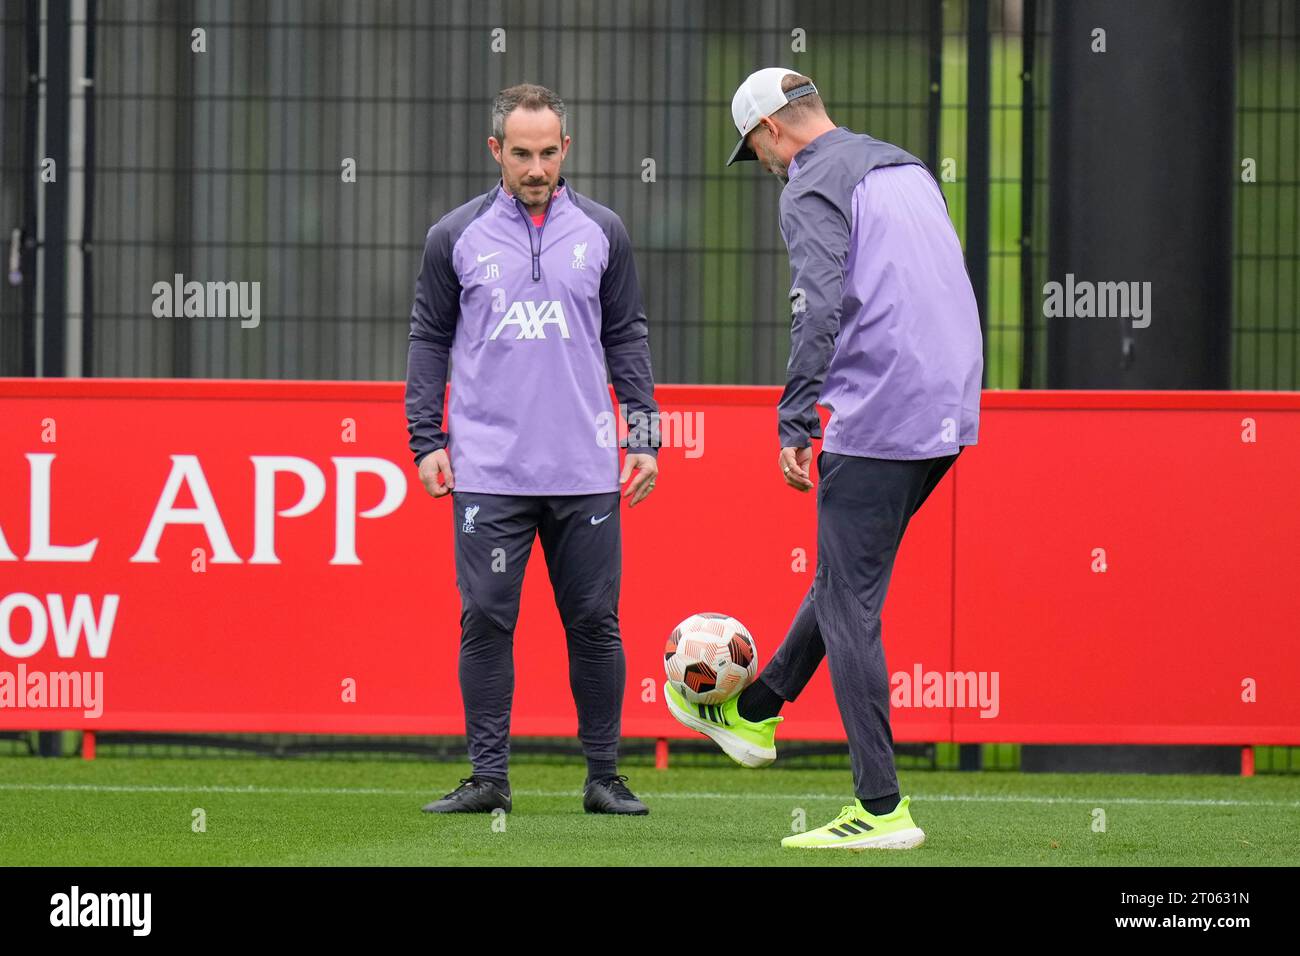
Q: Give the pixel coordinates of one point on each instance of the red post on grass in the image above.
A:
(88, 745)
(1248, 761)
(661, 753)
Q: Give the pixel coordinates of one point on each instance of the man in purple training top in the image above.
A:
(885, 334)
(531, 289)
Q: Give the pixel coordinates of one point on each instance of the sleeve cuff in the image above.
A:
(421, 455)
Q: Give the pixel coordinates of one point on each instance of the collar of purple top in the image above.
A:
(830, 136)
(509, 197)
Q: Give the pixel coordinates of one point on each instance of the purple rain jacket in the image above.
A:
(885, 331)
(529, 316)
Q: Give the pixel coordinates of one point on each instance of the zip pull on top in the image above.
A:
(535, 248)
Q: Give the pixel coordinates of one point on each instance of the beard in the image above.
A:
(518, 189)
(774, 165)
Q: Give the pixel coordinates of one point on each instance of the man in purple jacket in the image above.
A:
(531, 290)
(886, 335)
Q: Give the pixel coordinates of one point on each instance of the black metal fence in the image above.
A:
(20, 49)
(219, 155)
(1266, 319)
(227, 163)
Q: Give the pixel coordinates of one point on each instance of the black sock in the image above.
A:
(881, 805)
(759, 702)
(601, 769)
(501, 783)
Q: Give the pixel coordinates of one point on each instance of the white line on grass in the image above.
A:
(666, 795)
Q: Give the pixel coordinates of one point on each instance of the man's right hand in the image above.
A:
(432, 466)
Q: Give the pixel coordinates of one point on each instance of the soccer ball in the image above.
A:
(710, 658)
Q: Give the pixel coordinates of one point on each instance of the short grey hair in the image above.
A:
(528, 96)
(808, 105)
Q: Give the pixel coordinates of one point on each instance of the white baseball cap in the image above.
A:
(761, 95)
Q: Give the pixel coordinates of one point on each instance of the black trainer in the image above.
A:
(611, 795)
(474, 795)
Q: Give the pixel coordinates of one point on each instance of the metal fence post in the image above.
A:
(977, 158)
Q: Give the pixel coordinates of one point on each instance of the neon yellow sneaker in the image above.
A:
(748, 743)
(856, 829)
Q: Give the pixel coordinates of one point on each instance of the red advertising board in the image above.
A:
(259, 556)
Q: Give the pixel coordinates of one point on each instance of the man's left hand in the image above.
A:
(647, 469)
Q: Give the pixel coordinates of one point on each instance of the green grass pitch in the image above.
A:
(139, 811)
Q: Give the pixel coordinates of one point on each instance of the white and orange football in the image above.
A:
(710, 658)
